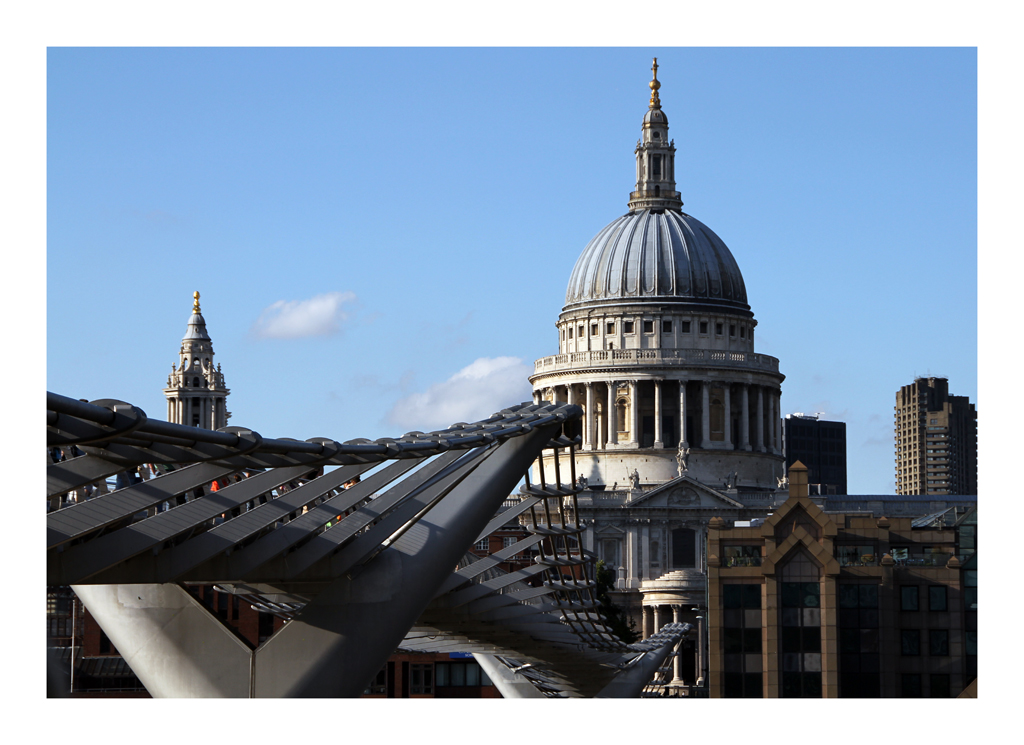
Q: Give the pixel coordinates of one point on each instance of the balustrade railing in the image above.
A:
(710, 357)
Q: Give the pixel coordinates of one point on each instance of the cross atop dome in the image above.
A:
(655, 85)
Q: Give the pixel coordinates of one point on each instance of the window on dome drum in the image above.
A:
(593, 329)
(580, 331)
(743, 332)
(732, 329)
(611, 327)
(648, 327)
(703, 327)
(685, 327)
(570, 332)
(718, 329)
(627, 327)
(666, 327)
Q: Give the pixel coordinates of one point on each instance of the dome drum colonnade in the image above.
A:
(656, 343)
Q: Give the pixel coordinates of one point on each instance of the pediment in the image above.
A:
(684, 492)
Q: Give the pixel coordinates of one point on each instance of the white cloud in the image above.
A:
(294, 319)
(478, 390)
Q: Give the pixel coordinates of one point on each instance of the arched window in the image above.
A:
(620, 413)
(717, 414)
(195, 382)
(657, 190)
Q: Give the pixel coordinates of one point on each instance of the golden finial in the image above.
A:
(195, 301)
(655, 85)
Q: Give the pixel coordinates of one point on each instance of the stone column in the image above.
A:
(728, 416)
(658, 440)
(744, 417)
(591, 418)
(702, 660)
(759, 444)
(682, 413)
(613, 421)
(657, 618)
(645, 630)
(778, 422)
(645, 544)
(677, 663)
(771, 422)
(705, 415)
(571, 394)
(536, 397)
(632, 549)
(634, 411)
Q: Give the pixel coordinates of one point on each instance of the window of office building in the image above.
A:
(909, 598)
(910, 685)
(936, 598)
(378, 686)
(800, 632)
(910, 642)
(859, 662)
(459, 674)
(741, 641)
(421, 679)
(938, 685)
(938, 642)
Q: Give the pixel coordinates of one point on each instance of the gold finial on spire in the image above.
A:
(655, 85)
(195, 301)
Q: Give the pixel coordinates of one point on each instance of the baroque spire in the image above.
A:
(655, 159)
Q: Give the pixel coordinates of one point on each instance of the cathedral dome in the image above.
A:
(660, 256)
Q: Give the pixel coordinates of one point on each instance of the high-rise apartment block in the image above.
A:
(936, 440)
(821, 446)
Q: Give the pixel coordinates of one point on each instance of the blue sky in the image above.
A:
(382, 237)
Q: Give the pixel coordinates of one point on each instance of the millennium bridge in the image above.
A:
(363, 546)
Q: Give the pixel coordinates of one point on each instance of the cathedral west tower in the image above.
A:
(196, 394)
